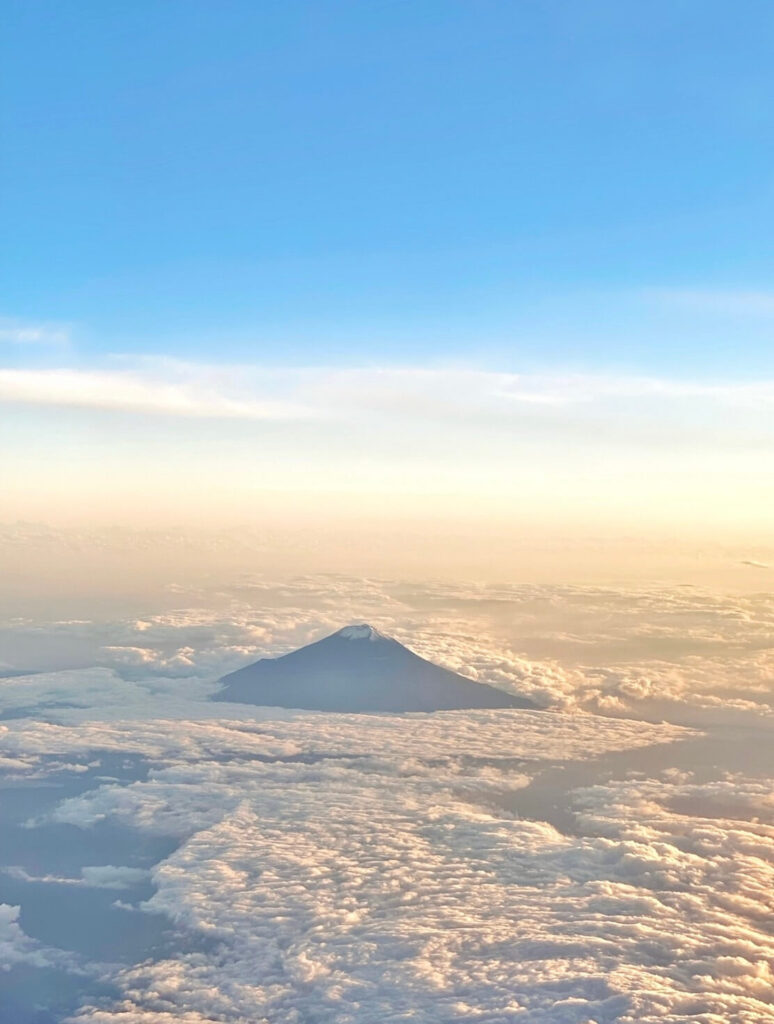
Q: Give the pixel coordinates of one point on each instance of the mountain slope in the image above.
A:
(359, 669)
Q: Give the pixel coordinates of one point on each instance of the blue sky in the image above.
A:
(501, 260)
(523, 184)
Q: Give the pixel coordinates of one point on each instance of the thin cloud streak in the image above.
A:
(15, 333)
(735, 302)
(126, 391)
(169, 388)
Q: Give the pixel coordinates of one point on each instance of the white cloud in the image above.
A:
(364, 868)
(734, 302)
(100, 876)
(129, 391)
(16, 947)
(382, 881)
(17, 333)
(251, 392)
(337, 868)
(91, 690)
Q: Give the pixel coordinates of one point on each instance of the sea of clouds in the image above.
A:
(654, 651)
(608, 860)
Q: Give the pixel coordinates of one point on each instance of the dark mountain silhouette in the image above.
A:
(359, 669)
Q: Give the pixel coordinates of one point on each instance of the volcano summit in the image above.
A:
(359, 669)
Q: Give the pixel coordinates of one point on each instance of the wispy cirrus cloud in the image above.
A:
(253, 392)
(14, 332)
(174, 394)
(733, 302)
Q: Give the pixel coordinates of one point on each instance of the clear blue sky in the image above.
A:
(531, 182)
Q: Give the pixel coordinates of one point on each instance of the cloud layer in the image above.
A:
(370, 868)
(553, 867)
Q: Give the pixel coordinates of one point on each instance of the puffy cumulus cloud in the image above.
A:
(703, 690)
(545, 682)
(650, 651)
(16, 947)
(201, 767)
(110, 876)
(195, 730)
(11, 766)
(386, 884)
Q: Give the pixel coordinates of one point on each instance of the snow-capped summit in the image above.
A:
(342, 673)
(361, 631)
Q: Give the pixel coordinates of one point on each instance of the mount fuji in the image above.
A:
(359, 669)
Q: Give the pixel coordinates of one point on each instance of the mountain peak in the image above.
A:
(360, 669)
(360, 631)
